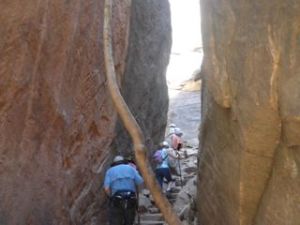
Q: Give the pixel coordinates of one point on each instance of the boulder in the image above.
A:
(144, 85)
(249, 144)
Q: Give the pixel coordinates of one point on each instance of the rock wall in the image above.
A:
(250, 159)
(57, 122)
(144, 85)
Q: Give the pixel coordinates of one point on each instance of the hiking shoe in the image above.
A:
(168, 194)
(174, 190)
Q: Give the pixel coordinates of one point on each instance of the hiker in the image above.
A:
(173, 161)
(176, 140)
(172, 127)
(162, 170)
(171, 132)
(120, 184)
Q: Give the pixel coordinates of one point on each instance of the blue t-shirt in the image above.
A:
(122, 177)
(164, 155)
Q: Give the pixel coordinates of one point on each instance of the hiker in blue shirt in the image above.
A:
(120, 184)
(162, 170)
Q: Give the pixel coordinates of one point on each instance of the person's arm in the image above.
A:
(172, 153)
(107, 184)
(180, 154)
(140, 187)
(107, 191)
(138, 180)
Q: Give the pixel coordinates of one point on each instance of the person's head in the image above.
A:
(164, 144)
(178, 132)
(118, 160)
(172, 128)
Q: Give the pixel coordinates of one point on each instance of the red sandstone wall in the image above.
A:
(56, 118)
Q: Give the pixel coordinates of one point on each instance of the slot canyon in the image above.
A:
(59, 130)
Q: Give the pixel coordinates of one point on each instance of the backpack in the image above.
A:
(157, 157)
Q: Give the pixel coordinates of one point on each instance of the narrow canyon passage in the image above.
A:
(59, 131)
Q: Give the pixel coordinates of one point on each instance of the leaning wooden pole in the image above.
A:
(131, 125)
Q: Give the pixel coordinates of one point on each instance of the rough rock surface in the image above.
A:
(57, 121)
(144, 86)
(250, 147)
(185, 113)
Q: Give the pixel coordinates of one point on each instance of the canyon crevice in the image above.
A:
(59, 129)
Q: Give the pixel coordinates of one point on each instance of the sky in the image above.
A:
(186, 28)
(186, 36)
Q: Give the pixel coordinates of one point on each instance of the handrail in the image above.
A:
(131, 125)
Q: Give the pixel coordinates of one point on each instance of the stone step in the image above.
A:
(172, 195)
(153, 210)
(151, 216)
(190, 176)
(184, 181)
(175, 190)
(172, 201)
(186, 177)
(151, 222)
(190, 170)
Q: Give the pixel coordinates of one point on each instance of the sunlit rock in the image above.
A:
(249, 161)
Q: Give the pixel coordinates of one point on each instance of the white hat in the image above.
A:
(165, 144)
(118, 158)
(178, 131)
(172, 125)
